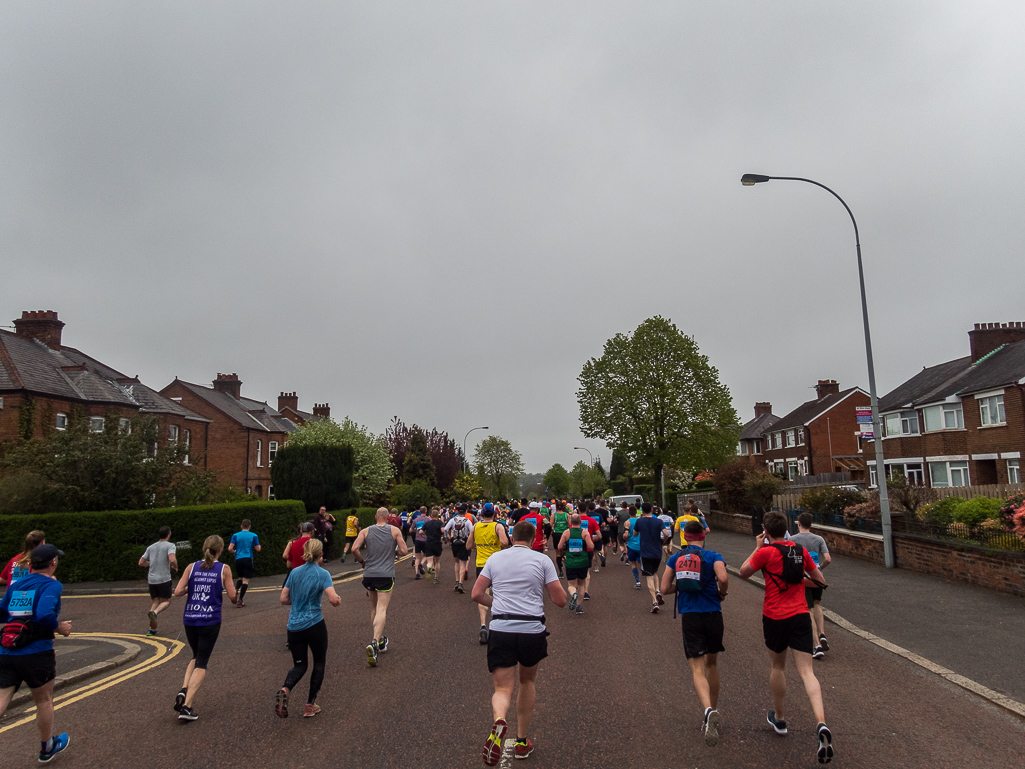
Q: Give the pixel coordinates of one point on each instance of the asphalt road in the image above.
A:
(614, 692)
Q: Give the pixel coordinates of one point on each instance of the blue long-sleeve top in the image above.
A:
(37, 598)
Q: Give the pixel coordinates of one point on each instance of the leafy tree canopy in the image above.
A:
(557, 481)
(372, 471)
(496, 461)
(654, 397)
(418, 465)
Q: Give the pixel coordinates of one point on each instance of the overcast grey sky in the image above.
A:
(441, 210)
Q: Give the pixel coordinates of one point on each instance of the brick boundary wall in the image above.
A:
(966, 564)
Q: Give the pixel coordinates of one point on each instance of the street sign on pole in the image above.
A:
(864, 417)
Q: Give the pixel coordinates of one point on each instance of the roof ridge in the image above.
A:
(989, 355)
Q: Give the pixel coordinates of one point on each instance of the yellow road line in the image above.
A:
(271, 589)
(166, 650)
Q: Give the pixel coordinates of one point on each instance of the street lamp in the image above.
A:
(465, 463)
(581, 448)
(749, 180)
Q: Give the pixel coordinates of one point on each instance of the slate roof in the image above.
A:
(754, 429)
(255, 415)
(806, 412)
(27, 364)
(1004, 366)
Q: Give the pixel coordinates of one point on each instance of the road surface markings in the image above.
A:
(996, 698)
(165, 650)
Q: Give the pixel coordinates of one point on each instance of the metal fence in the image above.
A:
(866, 525)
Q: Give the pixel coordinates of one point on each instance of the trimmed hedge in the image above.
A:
(106, 546)
(367, 517)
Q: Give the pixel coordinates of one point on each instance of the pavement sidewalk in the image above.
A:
(975, 632)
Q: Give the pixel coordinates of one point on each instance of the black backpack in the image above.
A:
(793, 566)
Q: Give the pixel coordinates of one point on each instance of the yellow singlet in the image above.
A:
(485, 537)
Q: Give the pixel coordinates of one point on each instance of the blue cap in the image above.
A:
(488, 507)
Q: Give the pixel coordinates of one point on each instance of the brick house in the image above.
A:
(751, 440)
(244, 434)
(962, 422)
(43, 381)
(819, 436)
(288, 405)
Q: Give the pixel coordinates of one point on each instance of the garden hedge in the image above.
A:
(106, 546)
(366, 515)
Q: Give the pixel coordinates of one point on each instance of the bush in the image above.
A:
(316, 475)
(761, 487)
(106, 546)
(1010, 507)
(705, 485)
(829, 500)
(729, 483)
(869, 509)
(618, 487)
(367, 517)
(974, 511)
(416, 494)
(646, 490)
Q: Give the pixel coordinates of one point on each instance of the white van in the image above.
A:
(630, 499)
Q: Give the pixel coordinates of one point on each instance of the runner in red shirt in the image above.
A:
(535, 517)
(786, 622)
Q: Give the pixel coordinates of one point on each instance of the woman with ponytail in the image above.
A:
(20, 565)
(203, 581)
(307, 631)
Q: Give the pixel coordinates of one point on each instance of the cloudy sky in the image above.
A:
(441, 210)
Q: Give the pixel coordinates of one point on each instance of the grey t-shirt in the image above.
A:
(380, 551)
(159, 563)
(813, 543)
(518, 577)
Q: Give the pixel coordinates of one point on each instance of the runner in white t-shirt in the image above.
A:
(518, 578)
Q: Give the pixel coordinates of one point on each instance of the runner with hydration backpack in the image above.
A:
(701, 583)
(457, 531)
(560, 522)
(788, 568)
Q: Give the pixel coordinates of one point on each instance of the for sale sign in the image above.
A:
(864, 417)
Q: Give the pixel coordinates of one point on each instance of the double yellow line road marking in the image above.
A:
(165, 650)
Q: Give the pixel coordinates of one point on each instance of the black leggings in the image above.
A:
(202, 639)
(298, 640)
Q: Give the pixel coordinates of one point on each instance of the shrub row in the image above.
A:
(366, 515)
(106, 546)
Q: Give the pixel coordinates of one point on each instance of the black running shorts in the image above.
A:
(418, 546)
(572, 574)
(33, 670)
(379, 584)
(432, 549)
(161, 590)
(793, 632)
(811, 595)
(459, 551)
(649, 566)
(244, 568)
(702, 633)
(506, 650)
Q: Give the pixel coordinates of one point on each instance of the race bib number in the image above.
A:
(815, 557)
(576, 546)
(21, 603)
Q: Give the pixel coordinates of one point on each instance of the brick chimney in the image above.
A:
(288, 401)
(986, 337)
(763, 409)
(826, 387)
(229, 384)
(42, 325)
(321, 410)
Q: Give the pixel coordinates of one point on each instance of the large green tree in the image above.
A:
(653, 396)
(418, 465)
(315, 474)
(497, 462)
(557, 481)
(372, 470)
(586, 481)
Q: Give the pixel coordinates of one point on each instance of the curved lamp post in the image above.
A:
(581, 448)
(749, 180)
(466, 464)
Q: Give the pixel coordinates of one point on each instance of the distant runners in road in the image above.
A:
(307, 631)
(786, 623)
(458, 530)
(161, 561)
(518, 578)
(381, 541)
(819, 551)
(244, 544)
(649, 530)
(203, 582)
(574, 546)
(488, 537)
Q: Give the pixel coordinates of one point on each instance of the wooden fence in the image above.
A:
(791, 499)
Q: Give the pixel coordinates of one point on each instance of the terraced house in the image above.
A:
(43, 382)
(960, 423)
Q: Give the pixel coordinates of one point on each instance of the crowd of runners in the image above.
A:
(521, 552)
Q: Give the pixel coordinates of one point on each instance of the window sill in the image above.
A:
(990, 427)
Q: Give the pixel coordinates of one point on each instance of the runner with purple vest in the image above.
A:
(203, 582)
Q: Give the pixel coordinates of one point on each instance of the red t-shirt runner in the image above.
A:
(539, 534)
(779, 604)
(296, 552)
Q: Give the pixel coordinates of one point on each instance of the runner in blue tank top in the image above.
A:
(203, 582)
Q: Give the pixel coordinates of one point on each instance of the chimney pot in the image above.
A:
(826, 387)
(43, 325)
(986, 337)
(229, 384)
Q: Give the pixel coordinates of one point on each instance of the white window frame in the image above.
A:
(172, 435)
(873, 477)
(124, 426)
(991, 411)
(800, 436)
(187, 438)
(791, 440)
(96, 424)
(272, 452)
(950, 469)
(1013, 470)
(757, 446)
(61, 421)
(259, 453)
(944, 410)
(270, 493)
(777, 440)
(792, 469)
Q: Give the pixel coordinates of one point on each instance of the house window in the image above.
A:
(272, 451)
(901, 423)
(792, 469)
(259, 453)
(96, 424)
(270, 493)
(172, 435)
(800, 436)
(777, 440)
(1014, 471)
(873, 481)
(62, 421)
(124, 426)
(915, 474)
(991, 410)
(947, 416)
(758, 446)
(946, 474)
(790, 439)
(188, 443)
